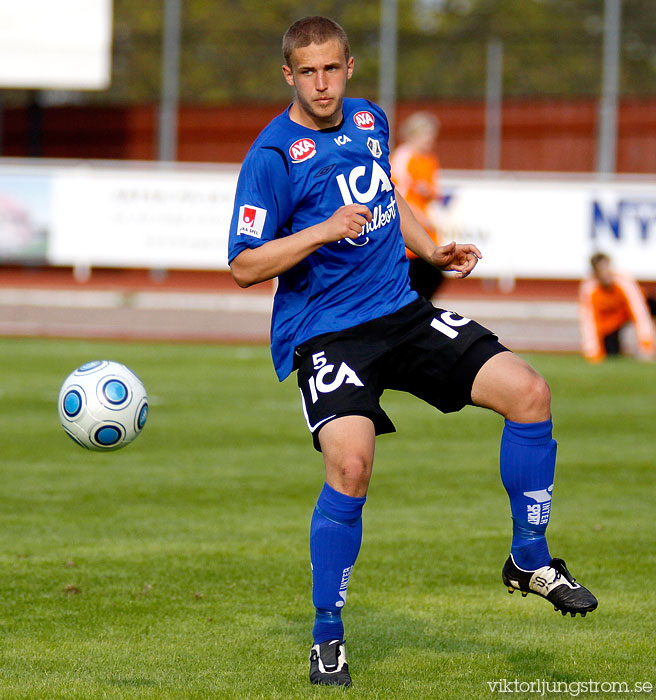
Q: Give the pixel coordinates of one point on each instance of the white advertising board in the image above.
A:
(129, 215)
(25, 215)
(532, 227)
(148, 218)
(62, 45)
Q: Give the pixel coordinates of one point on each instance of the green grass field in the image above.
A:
(178, 567)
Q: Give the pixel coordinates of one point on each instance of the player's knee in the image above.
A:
(533, 399)
(540, 397)
(351, 475)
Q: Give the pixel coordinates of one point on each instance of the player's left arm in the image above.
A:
(457, 257)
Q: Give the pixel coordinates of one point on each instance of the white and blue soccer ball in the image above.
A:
(103, 405)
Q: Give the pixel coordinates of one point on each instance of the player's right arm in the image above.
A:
(264, 262)
(590, 343)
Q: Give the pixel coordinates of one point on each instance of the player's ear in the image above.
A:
(349, 68)
(289, 75)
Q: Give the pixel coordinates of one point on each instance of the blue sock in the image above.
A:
(528, 465)
(335, 537)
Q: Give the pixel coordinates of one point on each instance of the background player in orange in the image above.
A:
(415, 172)
(608, 301)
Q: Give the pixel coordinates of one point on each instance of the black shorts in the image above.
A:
(429, 352)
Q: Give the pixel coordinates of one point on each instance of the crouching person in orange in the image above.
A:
(608, 301)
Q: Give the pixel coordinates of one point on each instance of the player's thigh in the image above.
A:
(510, 386)
(439, 360)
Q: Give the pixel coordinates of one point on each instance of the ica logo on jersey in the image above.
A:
(342, 140)
(302, 150)
(364, 120)
(381, 215)
(351, 191)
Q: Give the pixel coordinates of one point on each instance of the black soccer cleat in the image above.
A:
(553, 582)
(328, 664)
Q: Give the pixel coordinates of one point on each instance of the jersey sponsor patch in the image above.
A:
(251, 221)
(302, 150)
(364, 120)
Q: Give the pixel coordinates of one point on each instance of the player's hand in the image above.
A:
(347, 222)
(458, 257)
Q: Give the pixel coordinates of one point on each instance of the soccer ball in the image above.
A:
(103, 405)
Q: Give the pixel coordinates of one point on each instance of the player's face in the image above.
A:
(318, 75)
(604, 273)
(424, 140)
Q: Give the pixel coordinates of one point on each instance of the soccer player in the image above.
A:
(315, 207)
(416, 177)
(609, 300)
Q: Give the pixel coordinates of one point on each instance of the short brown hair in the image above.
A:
(312, 30)
(597, 258)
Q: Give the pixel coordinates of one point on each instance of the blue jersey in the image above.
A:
(295, 177)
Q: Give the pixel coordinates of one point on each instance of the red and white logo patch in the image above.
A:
(364, 120)
(248, 215)
(251, 221)
(301, 150)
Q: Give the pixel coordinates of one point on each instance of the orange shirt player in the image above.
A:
(415, 172)
(608, 301)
